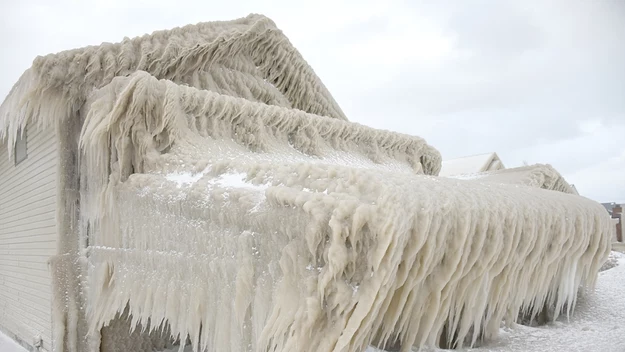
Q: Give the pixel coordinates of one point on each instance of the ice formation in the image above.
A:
(253, 59)
(250, 215)
(317, 249)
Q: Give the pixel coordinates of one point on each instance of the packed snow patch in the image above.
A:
(185, 178)
(226, 180)
(237, 180)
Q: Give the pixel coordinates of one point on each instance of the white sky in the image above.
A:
(535, 81)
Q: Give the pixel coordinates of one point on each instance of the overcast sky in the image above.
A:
(534, 81)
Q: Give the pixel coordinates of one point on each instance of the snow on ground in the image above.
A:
(597, 325)
(8, 345)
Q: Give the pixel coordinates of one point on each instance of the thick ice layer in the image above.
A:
(292, 266)
(252, 228)
(240, 58)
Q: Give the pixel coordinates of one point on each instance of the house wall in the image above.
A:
(28, 239)
(617, 213)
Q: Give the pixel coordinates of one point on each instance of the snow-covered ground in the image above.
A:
(8, 345)
(597, 325)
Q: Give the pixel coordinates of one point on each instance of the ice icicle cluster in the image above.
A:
(249, 227)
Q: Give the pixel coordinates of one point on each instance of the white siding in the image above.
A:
(28, 238)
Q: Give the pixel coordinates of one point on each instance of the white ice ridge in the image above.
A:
(225, 260)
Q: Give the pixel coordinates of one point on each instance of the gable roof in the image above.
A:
(57, 85)
(471, 164)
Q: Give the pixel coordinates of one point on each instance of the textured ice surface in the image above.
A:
(596, 325)
(539, 175)
(226, 226)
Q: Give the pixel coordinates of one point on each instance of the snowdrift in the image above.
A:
(250, 227)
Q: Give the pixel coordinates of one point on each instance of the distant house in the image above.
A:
(538, 175)
(616, 212)
(471, 164)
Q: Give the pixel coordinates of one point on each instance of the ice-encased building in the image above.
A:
(209, 191)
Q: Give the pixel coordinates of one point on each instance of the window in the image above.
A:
(20, 147)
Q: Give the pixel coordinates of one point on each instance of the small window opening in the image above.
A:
(20, 147)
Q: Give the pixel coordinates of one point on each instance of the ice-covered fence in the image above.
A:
(250, 227)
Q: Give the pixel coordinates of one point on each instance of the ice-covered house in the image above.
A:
(202, 186)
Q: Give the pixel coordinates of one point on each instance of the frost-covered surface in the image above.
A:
(8, 345)
(271, 228)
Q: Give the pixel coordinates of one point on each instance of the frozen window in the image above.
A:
(20, 147)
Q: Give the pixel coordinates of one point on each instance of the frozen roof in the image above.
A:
(250, 49)
(471, 164)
